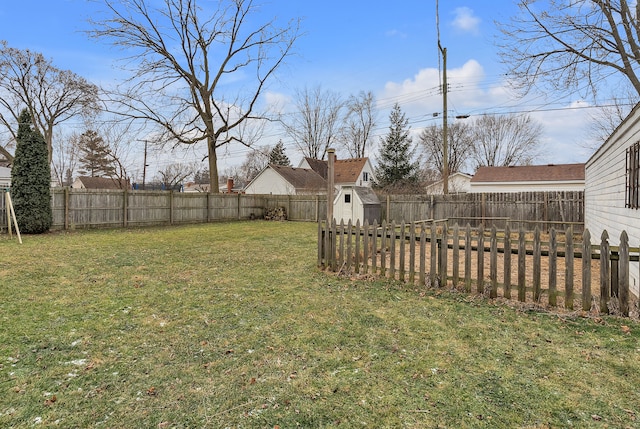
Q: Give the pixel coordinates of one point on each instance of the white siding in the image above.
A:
(605, 191)
(270, 182)
(529, 186)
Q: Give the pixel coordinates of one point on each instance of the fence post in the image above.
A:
(522, 261)
(537, 265)
(341, 248)
(568, 278)
(456, 255)
(467, 259)
(365, 246)
(623, 266)
(443, 253)
(507, 261)
(392, 250)
(320, 243)
(480, 284)
(605, 272)
(493, 263)
(374, 247)
(433, 256)
(383, 249)
(66, 207)
(586, 270)
(171, 206)
(334, 243)
(553, 266)
(412, 253)
(357, 254)
(401, 271)
(423, 256)
(125, 207)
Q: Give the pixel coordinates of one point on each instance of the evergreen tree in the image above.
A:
(396, 167)
(278, 156)
(96, 159)
(31, 179)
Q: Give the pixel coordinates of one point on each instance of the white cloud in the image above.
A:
(465, 21)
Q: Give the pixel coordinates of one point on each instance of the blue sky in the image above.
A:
(389, 48)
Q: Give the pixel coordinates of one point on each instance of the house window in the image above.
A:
(365, 176)
(347, 198)
(632, 199)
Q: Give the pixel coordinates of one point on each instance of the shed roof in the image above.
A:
(366, 195)
(531, 173)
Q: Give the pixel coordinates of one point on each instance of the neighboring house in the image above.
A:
(459, 183)
(5, 177)
(529, 178)
(281, 180)
(86, 182)
(347, 172)
(612, 194)
(356, 203)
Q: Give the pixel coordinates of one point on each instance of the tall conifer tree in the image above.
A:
(395, 163)
(31, 179)
(278, 156)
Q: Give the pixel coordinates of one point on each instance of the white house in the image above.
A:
(356, 203)
(281, 180)
(459, 183)
(529, 178)
(347, 172)
(612, 194)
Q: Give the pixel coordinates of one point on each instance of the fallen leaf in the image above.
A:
(625, 329)
(152, 391)
(596, 417)
(50, 401)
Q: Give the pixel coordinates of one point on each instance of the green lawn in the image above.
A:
(232, 325)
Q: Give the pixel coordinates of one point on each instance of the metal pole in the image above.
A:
(445, 146)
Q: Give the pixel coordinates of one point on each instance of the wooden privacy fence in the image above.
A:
(558, 209)
(83, 208)
(560, 269)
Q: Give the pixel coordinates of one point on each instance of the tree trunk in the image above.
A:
(213, 166)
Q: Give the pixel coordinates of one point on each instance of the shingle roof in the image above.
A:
(345, 170)
(530, 173)
(301, 178)
(103, 183)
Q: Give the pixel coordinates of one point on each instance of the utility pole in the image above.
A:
(445, 89)
(445, 137)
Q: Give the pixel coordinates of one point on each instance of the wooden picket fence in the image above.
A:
(527, 266)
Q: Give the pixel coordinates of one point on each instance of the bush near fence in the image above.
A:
(559, 269)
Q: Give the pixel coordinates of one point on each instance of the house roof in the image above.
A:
(103, 183)
(531, 173)
(300, 178)
(345, 170)
(319, 166)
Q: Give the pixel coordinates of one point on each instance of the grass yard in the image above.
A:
(232, 325)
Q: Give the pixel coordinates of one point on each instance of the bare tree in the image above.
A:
(504, 140)
(359, 123)
(51, 95)
(567, 44)
(65, 159)
(256, 160)
(174, 174)
(315, 124)
(183, 58)
(460, 136)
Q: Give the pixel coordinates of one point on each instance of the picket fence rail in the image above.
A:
(525, 265)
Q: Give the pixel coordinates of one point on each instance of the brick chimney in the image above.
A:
(229, 185)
